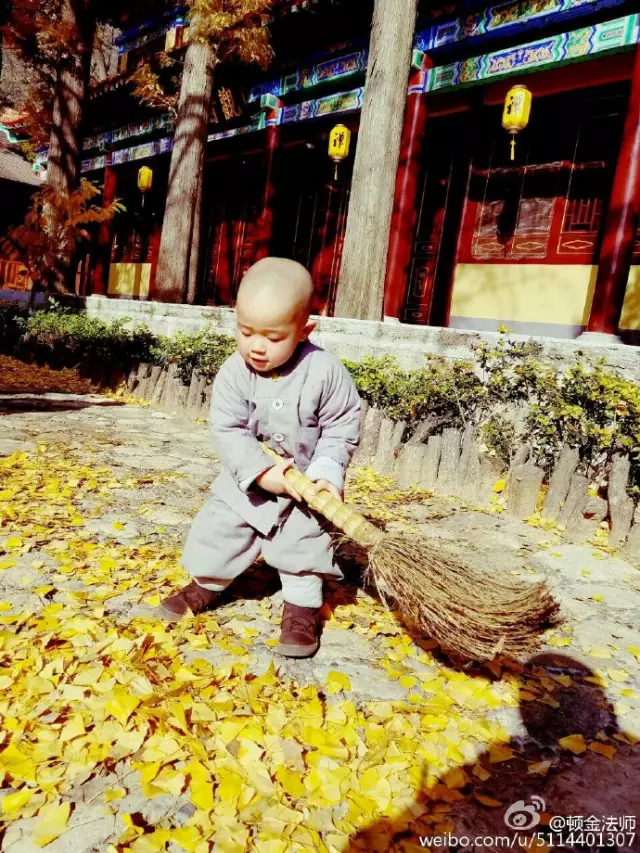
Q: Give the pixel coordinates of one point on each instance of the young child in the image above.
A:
(300, 400)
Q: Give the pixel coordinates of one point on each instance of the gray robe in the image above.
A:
(311, 413)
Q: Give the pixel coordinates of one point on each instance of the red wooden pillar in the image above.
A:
(323, 263)
(620, 223)
(153, 251)
(404, 219)
(100, 275)
(264, 225)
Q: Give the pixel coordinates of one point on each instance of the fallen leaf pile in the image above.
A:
(18, 377)
(99, 718)
(378, 496)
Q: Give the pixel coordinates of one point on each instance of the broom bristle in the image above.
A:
(467, 610)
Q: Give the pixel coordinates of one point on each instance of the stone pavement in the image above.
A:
(172, 463)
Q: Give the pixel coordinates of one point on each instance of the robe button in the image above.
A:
(277, 405)
(278, 436)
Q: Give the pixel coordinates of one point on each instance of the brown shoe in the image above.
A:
(300, 628)
(193, 597)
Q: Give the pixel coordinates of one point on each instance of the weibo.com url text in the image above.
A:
(542, 841)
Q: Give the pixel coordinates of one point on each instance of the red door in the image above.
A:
(445, 169)
(311, 215)
(231, 211)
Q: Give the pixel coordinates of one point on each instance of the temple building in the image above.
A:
(539, 236)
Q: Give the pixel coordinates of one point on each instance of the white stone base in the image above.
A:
(354, 339)
(597, 339)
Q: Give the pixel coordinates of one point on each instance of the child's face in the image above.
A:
(268, 333)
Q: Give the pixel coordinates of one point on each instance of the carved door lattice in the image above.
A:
(549, 207)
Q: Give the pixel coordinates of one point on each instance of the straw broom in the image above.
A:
(464, 609)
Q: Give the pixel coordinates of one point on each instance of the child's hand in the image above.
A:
(274, 481)
(326, 486)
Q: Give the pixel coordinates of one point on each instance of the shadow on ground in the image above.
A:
(16, 404)
(589, 784)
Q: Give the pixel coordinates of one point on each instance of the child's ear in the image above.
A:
(308, 329)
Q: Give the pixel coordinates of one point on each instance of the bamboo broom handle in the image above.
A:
(350, 522)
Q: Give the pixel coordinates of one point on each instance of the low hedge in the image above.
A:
(507, 392)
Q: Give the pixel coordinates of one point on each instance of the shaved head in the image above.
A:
(273, 308)
(278, 282)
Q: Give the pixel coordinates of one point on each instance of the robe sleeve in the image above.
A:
(339, 422)
(237, 447)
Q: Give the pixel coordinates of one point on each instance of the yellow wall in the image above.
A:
(129, 280)
(631, 309)
(535, 293)
(528, 293)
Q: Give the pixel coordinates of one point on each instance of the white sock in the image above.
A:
(303, 589)
(213, 584)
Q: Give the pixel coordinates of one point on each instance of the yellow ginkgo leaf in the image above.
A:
(114, 794)
(541, 768)
(73, 728)
(455, 778)
(498, 752)
(605, 749)
(488, 801)
(558, 642)
(499, 485)
(12, 803)
(337, 681)
(118, 525)
(618, 675)
(574, 743)
(170, 780)
(598, 652)
(201, 787)
(122, 705)
(480, 772)
(52, 822)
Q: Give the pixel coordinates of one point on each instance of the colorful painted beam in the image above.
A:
(119, 134)
(271, 114)
(561, 49)
(505, 19)
(568, 47)
(343, 102)
(151, 34)
(329, 70)
(126, 155)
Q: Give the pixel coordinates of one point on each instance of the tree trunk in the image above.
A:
(194, 248)
(362, 275)
(65, 146)
(179, 245)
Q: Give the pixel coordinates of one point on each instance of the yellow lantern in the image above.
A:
(515, 116)
(339, 142)
(145, 179)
